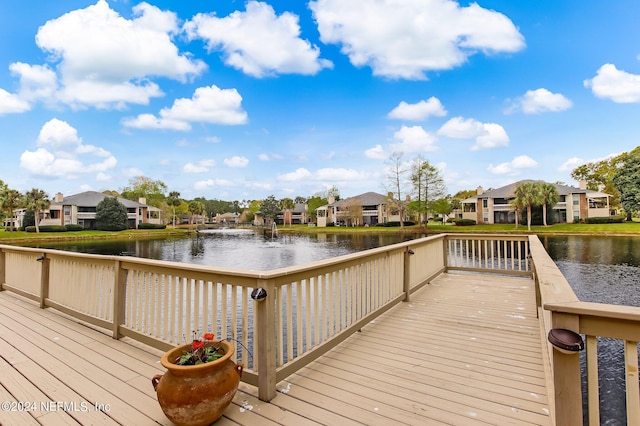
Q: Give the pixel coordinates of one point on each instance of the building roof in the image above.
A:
(366, 199)
(92, 198)
(508, 191)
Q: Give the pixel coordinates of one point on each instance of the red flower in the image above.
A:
(209, 336)
(197, 344)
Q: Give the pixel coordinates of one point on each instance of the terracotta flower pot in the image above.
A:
(192, 395)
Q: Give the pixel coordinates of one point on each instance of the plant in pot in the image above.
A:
(200, 382)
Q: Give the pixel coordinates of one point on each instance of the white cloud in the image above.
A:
(540, 100)
(419, 111)
(210, 183)
(299, 174)
(413, 139)
(105, 60)
(202, 166)
(570, 164)
(405, 39)
(10, 103)
(617, 85)
(236, 162)
(37, 82)
(339, 174)
(132, 172)
(258, 42)
(61, 153)
(486, 135)
(103, 177)
(514, 166)
(207, 105)
(376, 153)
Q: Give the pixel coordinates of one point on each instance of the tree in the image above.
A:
(549, 196)
(396, 184)
(312, 205)
(627, 181)
(111, 215)
(196, 208)
(9, 201)
(143, 187)
(38, 201)
(428, 186)
(527, 195)
(286, 204)
(269, 208)
(442, 206)
(174, 201)
(599, 175)
(352, 208)
(334, 192)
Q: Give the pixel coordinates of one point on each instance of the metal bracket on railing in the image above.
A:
(40, 259)
(411, 251)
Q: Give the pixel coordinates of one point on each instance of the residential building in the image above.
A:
(80, 209)
(574, 204)
(366, 209)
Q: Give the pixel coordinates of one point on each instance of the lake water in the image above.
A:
(599, 269)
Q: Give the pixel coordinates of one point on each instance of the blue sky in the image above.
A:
(240, 100)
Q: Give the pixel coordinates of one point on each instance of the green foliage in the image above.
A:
(47, 228)
(29, 219)
(627, 181)
(269, 207)
(428, 186)
(463, 222)
(313, 203)
(151, 226)
(610, 219)
(38, 201)
(143, 187)
(395, 223)
(111, 215)
(74, 227)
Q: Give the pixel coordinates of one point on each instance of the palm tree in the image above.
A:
(174, 201)
(528, 195)
(38, 201)
(196, 208)
(549, 195)
(9, 200)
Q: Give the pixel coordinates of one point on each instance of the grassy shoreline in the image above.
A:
(609, 229)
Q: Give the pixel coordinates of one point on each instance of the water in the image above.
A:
(605, 270)
(236, 248)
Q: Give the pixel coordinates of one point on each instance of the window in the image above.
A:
(67, 210)
(576, 200)
(485, 203)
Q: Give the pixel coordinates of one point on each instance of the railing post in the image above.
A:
(266, 337)
(44, 279)
(445, 252)
(566, 376)
(406, 282)
(3, 267)
(119, 299)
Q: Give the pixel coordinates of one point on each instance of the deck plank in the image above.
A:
(467, 350)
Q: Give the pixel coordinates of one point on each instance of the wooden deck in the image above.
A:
(466, 350)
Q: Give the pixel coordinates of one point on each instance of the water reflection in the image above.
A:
(237, 249)
(599, 269)
(605, 270)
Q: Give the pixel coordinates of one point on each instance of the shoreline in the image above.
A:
(184, 232)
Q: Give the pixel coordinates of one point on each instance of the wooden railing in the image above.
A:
(309, 309)
(560, 308)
